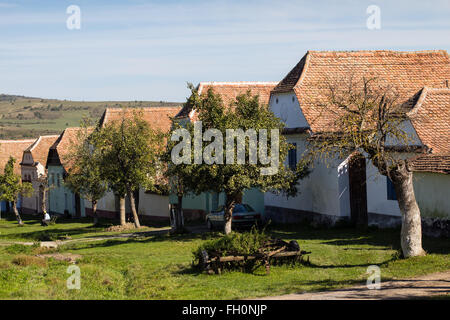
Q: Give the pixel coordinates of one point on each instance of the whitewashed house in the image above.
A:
(150, 206)
(327, 195)
(33, 169)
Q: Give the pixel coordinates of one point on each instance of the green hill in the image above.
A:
(26, 117)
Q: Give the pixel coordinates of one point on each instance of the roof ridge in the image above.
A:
(35, 143)
(393, 52)
(153, 108)
(234, 83)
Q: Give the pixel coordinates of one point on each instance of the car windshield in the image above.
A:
(241, 208)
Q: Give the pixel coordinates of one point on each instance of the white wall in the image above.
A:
(288, 110)
(377, 201)
(432, 192)
(153, 204)
(323, 191)
(107, 203)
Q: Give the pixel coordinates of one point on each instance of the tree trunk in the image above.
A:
(133, 209)
(411, 232)
(228, 214)
(16, 212)
(122, 210)
(43, 202)
(94, 212)
(179, 214)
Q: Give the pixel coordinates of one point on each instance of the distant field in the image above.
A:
(25, 117)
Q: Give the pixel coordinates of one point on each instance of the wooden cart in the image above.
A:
(278, 249)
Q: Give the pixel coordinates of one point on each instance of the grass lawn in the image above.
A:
(159, 266)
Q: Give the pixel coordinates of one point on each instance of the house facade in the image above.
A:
(328, 194)
(61, 200)
(33, 169)
(197, 206)
(15, 149)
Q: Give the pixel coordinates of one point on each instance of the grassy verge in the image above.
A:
(159, 266)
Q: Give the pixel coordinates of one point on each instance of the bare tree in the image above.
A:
(368, 117)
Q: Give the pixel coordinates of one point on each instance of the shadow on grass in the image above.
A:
(383, 239)
(138, 238)
(60, 228)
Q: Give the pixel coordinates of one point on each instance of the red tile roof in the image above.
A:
(229, 91)
(39, 149)
(159, 118)
(438, 163)
(431, 120)
(409, 72)
(15, 149)
(62, 146)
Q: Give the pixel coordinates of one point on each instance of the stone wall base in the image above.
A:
(287, 215)
(432, 227)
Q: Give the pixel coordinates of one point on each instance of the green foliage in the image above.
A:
(235, 243)
(20, 249)
(233, 179)
(11, 185)
(129, 153)
(85, 175)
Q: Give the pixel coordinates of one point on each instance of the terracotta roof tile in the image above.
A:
(159, 118)
(15, 149)
(407, 71)
(431, 119)
(63, 144)
(39, 149)
(229, 91)
(438, 163)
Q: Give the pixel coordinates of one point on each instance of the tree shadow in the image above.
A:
(384, 239)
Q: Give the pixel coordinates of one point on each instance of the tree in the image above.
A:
(11, 187)
(248, 118)
(84, 176)
(129, 155)
(180, 179)
(370, 119)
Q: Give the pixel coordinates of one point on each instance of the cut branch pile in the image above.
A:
(273, 252)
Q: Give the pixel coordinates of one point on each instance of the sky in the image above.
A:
(149, 50)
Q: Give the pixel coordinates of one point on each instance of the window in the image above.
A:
(57, 180)
(53, 179)
(292, 157)
(390, 190)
